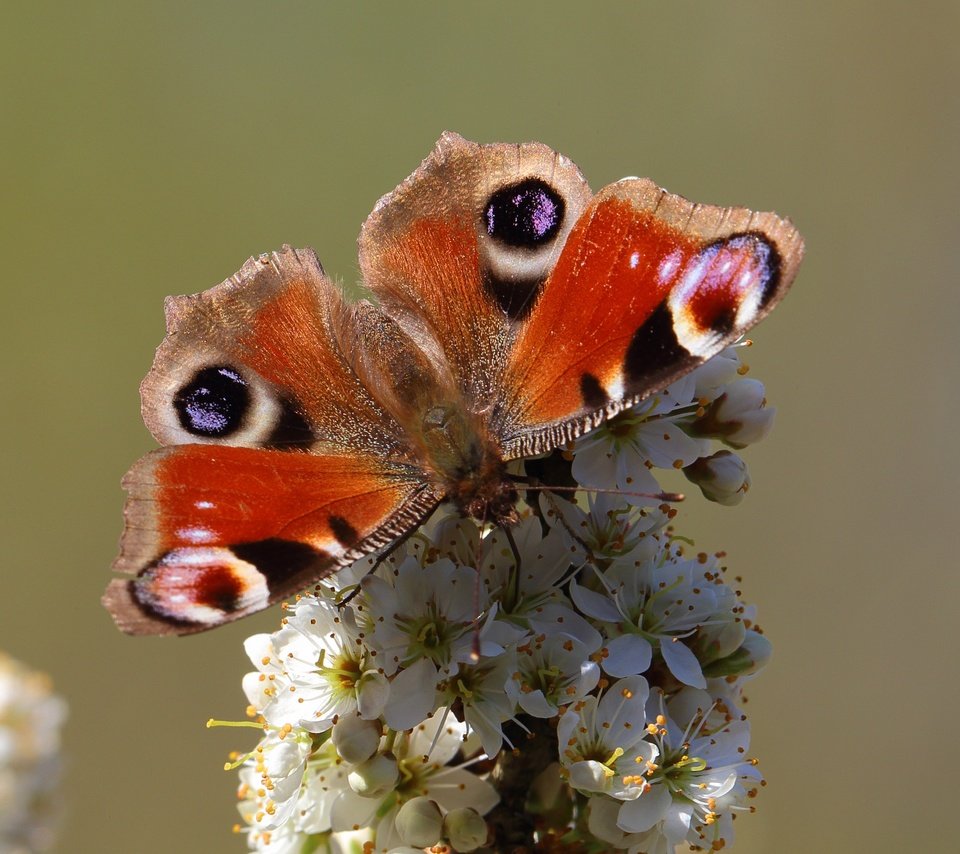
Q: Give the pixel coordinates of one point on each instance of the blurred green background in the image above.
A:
(149, 148)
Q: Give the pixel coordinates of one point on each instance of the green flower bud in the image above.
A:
(465, 829)
(356, 740)
(419, 823)
(375, 777)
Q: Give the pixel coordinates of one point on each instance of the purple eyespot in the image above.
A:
(213, 404)
(527, 214)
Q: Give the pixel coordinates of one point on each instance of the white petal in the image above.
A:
(534, 703)
(665, 443)
(627, 655)
(412, 694)
(643, 813)
(622, 712)
(258, 647)
(454, 788)
(351, 811)
(555, 619)
(254, 685)
(597, 605)
(595, 463)
(682, 662)
(677, 823)
(602, 821)
(589, 776)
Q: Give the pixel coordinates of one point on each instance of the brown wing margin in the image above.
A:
(214, 533)
(648, 286)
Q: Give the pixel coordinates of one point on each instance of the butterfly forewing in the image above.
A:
(458, 253)
(648, 286)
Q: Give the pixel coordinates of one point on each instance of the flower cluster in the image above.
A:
(31, 717)
(570, 683)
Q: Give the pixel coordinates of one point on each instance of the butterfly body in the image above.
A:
(515, 311)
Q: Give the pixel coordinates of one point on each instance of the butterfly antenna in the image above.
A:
(669, 497)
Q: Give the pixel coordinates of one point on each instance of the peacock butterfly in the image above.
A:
(516, 311)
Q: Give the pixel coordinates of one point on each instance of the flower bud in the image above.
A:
(356, 740)
(373, 689)
(722, 477)
(419, 822)
(465, 829)
(738, 417)
(375, 777)
(753, 654)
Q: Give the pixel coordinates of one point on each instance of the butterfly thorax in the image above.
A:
(468, 465)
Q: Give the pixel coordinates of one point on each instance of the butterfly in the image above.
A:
(514, 311)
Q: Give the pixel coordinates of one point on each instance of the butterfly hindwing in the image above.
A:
(217, 532)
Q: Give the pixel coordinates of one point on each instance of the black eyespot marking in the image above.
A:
(292, 431)
(213, 404)
(527, 214)
(278, 559)
(592, 392)
(654, 349)
(345, 533)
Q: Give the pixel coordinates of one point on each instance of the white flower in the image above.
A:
(552, 672)
(609, 530)
(314, 669)
(423, 613)
(653, 434)
(529, 599)
(656, 606)
(481, 691)
(601, 742)
(274, 774)
(423, 626)
(620, 452)
(287, 790)
(422, 756)
(701, 776)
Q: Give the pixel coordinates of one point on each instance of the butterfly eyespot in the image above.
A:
(524, 215)
(214, 403)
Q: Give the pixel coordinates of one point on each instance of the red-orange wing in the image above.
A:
(647, 287)
(214, 533)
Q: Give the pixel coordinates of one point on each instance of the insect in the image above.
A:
(515, 311)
